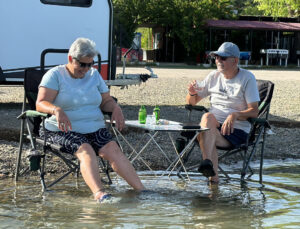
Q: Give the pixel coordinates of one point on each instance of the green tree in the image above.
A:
(190, 18)
(247, 7)
(146, 37)
(279, 8)
(184, 18)
(250, 9)
(126, 20)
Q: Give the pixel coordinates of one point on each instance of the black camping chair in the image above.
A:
(30, 124)
(256, 136)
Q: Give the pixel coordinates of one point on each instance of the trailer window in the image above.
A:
(78, 3)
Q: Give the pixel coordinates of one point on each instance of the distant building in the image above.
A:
(256, 33)
(249, 33)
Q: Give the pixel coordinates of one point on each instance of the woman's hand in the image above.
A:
(117, 116)
(63, 122)
(44, 103)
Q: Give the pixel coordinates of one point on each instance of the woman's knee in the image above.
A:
(85, 150)
(110, 150)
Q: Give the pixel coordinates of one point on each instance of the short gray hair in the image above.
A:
(83, 47)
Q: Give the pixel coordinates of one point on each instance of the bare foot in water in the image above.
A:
(99, 195)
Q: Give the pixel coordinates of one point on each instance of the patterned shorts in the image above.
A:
(71, 141)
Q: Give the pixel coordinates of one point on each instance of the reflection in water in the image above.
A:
(172, 204)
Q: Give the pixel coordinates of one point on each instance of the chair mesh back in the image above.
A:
(265, 89)
(32, 80)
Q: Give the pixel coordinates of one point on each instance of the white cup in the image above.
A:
(199, 85)
(150, 119)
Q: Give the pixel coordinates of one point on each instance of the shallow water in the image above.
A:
(172, 204)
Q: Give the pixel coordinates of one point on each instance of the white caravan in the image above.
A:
(30, 28)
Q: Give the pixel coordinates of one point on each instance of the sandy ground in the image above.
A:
(168, 91)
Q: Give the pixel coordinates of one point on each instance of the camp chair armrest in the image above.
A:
(32, 114)
(259, 121)
(197, 108)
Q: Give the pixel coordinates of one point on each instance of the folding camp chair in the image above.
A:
(256, 136)
(32, 120)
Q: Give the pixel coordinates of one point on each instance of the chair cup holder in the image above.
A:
(34, 158)
(35, 163)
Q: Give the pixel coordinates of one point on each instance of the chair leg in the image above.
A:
(42, 174)
(246, 163)
(77, 170)
(251, 171)
(105, 166)
(223, 171)
(18, 162)
(42, 179)
(72, 168)
(185, 159)
(244, 170)
(262, 156)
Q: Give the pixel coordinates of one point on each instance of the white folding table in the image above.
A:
(152, 131)
(275, 53)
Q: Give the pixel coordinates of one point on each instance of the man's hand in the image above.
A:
(117, 116)
(228, 125)
(192, 87)
(192, 97)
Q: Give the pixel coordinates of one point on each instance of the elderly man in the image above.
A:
(234, 98)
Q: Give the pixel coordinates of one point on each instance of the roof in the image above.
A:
(254, 25)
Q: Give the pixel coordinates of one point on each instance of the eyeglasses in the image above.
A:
(84, 65)
(223, 58)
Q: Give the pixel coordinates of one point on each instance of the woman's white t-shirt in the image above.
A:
(79, 98)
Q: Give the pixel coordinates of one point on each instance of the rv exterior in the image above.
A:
(29, 29)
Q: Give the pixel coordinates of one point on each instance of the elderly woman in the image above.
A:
(74, 94)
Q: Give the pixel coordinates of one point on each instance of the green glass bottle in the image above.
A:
(142, 115)
(156, 113)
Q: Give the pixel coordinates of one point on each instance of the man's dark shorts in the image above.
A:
(71, 141)
(236, 138)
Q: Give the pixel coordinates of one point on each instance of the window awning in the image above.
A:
(253, 25)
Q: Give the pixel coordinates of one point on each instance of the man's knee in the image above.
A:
(208, 120)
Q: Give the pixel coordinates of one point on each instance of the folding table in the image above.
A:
(152, 131)
(275, 53)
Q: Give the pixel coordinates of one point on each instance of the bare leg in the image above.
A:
(208, 141)
(121, 165)
(89, 169)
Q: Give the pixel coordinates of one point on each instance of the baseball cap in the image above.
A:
(227, 49)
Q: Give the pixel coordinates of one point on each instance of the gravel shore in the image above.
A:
(168, 92)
